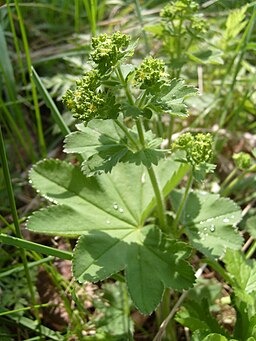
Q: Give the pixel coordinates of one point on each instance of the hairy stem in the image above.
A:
(151, 173)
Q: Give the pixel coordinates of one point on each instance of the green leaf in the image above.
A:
(89, 139)
(244, 275)
(251, 226)
(170, 98)
(197, 315)
(112, 305)
(109, 211)
(103, 144)
(235, 23)
(150, 264)
(208, 221)
(207, 57)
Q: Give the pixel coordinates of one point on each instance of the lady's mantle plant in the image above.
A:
(125, 175)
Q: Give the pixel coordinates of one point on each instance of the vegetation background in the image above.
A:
(44, 49)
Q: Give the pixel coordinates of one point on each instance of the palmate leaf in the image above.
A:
(170, 98)
(109, 213)
(208, 221)
(103, 144)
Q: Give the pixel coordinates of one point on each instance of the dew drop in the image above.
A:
(232, 216)
(205, 228)
(225, 220)
(143, 178)
(203, 238)
(212, 228)
(115, 206)
(108, 222)
(121, 210)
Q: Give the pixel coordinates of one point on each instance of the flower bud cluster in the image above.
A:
(91, 99)
(150, 71)
(179, 9)
(198, 147)
(87, 101)
(109, 49)
(242, 160)
(199, 25)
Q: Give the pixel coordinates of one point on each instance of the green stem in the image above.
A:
(128, 135)
(251, 251)
(162, 313)
(228, 178)
(138, 10)
(228, 189)
(140, 132)
(159, 199)
(170, 130)
(151, 173)
(15, 218)
(183, 203)
(125, 306)
(125, 85)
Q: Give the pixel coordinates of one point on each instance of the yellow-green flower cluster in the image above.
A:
(198, 147)
(199, 24)
(179, 9)
(242, 160)
(150, 71)
(87, 101)
(107, 50)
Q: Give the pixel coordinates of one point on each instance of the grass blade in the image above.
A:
(50, 103)
(33, 88)
(25, 244)
(15, 217)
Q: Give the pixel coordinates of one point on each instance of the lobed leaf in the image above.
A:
(170, 98)
(109, 212)
(149, 266)
(208, 221)
(243, 273)
(103, 144)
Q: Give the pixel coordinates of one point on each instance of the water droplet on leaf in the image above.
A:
(212, 228)
(121, 210)
(115, 206)
(225, 220)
